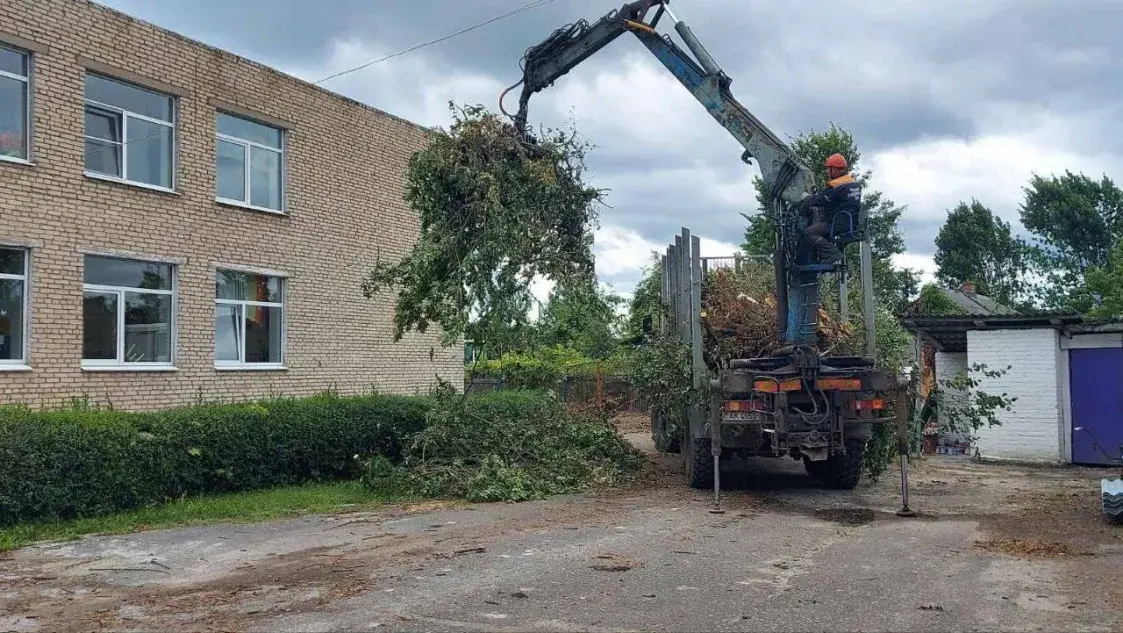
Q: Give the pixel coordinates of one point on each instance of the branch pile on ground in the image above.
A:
(506, 446)
(740, 317)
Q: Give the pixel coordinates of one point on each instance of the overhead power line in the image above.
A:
(530, 5)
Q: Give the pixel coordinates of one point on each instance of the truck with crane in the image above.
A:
(797, 401)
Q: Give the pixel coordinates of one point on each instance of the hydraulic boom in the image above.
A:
(567, 47)
(787, 179)
(797, 402)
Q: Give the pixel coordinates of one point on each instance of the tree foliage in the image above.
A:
(1100, 296)
(583, 316)
(495, 212)
(1076, 221)
(933, 302)
(976, 245)
(547, 367)
(645, 304)
(894, 286)
(965, 408)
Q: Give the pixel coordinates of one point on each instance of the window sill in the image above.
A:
(16, 161)
(157, 368)
(249, 207)
(251, 367)
(4, 367)
(131, 183)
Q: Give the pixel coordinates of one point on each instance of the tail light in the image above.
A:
(875, 404)
(744, 405)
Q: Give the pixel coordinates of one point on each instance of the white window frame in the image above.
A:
(27, 101)
(124, 143)
(13, 364)
(241, 363)
(119, 363)
(246, 153)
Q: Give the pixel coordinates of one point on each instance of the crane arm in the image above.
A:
(785, 176)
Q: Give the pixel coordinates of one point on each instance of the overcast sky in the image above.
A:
(947, 100)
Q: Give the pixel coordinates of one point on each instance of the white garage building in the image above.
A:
(1065, 373)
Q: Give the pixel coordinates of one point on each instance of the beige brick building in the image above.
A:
(178, 223)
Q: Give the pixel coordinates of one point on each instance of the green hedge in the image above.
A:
(81, 463)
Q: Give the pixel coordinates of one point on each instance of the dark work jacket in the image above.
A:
(841, 194)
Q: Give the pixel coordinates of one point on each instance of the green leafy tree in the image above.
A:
(965, 408)
(582, 316)
(933, 302)
(1075, 221)
(495, 213)
(894, 286)
(1101, 294)
(976, 245)
(646, 302)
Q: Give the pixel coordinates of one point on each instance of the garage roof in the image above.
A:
(949, 334)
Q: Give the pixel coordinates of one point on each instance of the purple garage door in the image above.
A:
(1096, 378)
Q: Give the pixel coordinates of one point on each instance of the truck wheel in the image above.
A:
(840, 471)
(664, 442)
(699, 462)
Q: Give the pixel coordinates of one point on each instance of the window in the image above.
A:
(249, 163)
(127, 313)
(13, 306)
(15, 104)
(249, 320)
(130, 133)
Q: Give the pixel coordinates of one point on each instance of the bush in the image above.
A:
(81, 463)
(507, 446)
(545, 367)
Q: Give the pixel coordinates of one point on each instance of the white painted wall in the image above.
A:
(1031, 431)
(947, 366)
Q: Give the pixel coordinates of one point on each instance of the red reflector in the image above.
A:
(772, 386)
(839, 384)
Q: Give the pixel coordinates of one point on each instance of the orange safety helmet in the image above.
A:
(836, 160)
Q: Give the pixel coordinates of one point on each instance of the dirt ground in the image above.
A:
(995, 548)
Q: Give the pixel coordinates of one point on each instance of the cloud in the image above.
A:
(948, 101)
(622, 254)
(934, 176)
(924, 264)
(417, 87)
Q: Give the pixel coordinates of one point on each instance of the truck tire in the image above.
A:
(699, 462)
(840, 471)
(665, 442)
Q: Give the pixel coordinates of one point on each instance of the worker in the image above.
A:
(842, 195)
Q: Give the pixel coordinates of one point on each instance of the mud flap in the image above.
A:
(816, 454)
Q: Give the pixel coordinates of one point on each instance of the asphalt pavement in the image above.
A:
(784, 555)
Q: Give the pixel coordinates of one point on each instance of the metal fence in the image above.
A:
(756, 267)
(736, 262)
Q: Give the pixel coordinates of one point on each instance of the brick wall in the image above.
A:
(1030, 432)
(345, 170)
